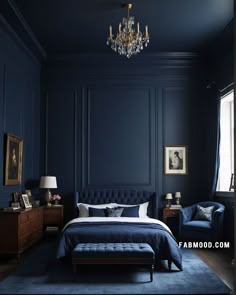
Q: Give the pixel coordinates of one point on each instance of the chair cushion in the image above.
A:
(115, 250)
(197, 225)
(203, 213)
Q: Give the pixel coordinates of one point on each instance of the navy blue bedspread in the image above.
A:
(161, 240)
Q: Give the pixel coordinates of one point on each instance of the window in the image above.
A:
(226, 168)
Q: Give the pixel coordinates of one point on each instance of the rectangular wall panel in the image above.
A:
(60, 138)
(119, 136)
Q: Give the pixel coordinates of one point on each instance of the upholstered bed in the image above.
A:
(140, 228)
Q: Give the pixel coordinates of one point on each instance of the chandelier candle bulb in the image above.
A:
(138, 27)
(111, 31)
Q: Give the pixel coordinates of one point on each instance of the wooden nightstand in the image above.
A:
(53, 216)
(171, 218)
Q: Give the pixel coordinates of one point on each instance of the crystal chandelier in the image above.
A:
(127, 41)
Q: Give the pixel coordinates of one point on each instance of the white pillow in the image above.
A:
(142, 208)
(84, 208)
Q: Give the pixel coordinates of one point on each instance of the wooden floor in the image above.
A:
(220, 261)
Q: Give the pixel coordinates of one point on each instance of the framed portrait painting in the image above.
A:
(176, 160)
(13, 168)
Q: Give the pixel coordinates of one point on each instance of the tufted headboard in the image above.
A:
(131, 197)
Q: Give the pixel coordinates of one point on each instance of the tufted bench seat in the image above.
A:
(113, 253)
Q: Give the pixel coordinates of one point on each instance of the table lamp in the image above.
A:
(48, 182)
(168, 198)
(177, 197)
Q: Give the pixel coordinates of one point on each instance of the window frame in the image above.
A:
(227, 90)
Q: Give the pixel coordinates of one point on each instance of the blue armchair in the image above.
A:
(201, 230)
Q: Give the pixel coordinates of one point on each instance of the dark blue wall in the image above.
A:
(19, 108)
(108, 119)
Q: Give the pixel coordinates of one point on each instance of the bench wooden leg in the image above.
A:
(151, 272)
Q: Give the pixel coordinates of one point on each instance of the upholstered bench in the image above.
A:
(113, 253)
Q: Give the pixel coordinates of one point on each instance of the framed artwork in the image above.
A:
(13, 168)
(175, 160)
(25, 200)
(16, 197)
(28, 192)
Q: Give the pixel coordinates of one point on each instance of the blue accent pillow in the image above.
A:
(130, 211)
(95, 212)
(204, 213)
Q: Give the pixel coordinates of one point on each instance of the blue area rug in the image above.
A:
(40, 273)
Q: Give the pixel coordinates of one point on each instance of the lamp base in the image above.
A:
(48, 197)
(168, 204)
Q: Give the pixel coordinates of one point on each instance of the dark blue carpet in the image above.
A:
(40, 273)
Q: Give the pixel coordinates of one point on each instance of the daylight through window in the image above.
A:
(226, 168)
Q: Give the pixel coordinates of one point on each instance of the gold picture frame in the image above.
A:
(14, 152)
(175, 160)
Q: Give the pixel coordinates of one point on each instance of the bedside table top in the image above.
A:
(171, 209)
(53, 206)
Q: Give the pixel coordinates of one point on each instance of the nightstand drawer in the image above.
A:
(53, 215)
(172, 213)
(52, 219)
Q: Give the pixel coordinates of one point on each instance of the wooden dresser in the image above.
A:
(19, 230)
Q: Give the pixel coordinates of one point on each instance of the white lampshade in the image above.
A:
(169, 196)
(177, 195)
(48, 182)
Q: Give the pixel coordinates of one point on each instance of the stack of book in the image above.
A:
(175, 207)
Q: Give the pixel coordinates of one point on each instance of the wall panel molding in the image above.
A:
(87, 149)
(75, 138)
(4, 97)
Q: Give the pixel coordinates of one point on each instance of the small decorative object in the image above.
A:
(56, 199)
(36, 203)
(15, 205)
(175, 160)
(13, 169)
(168, 198)
(177, 197)
(25, 200)
(48, 182)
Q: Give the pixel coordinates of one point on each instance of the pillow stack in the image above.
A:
(113, 210)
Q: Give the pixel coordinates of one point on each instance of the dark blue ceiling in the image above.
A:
(71, 26)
